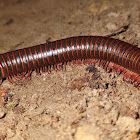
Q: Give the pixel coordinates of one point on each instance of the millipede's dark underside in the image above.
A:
(119, 53)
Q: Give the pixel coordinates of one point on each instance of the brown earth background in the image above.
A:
(68, 105)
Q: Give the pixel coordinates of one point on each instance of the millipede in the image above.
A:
(111, 54)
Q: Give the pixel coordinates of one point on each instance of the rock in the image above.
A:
(87, 133)
(128, 124)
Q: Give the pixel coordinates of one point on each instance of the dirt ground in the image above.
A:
(68, 105)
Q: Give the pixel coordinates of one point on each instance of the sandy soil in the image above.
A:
(68, 105)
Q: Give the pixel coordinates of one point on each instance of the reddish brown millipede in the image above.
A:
(111, 54)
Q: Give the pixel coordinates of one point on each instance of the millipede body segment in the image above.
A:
(110, 53)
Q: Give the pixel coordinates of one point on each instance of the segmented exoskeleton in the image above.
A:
(110, 53)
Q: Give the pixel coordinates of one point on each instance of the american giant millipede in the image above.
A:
(111, 54)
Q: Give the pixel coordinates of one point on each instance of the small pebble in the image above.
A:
(111, 26)
(91, 68)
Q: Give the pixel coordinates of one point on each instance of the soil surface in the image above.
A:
(74, 104)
